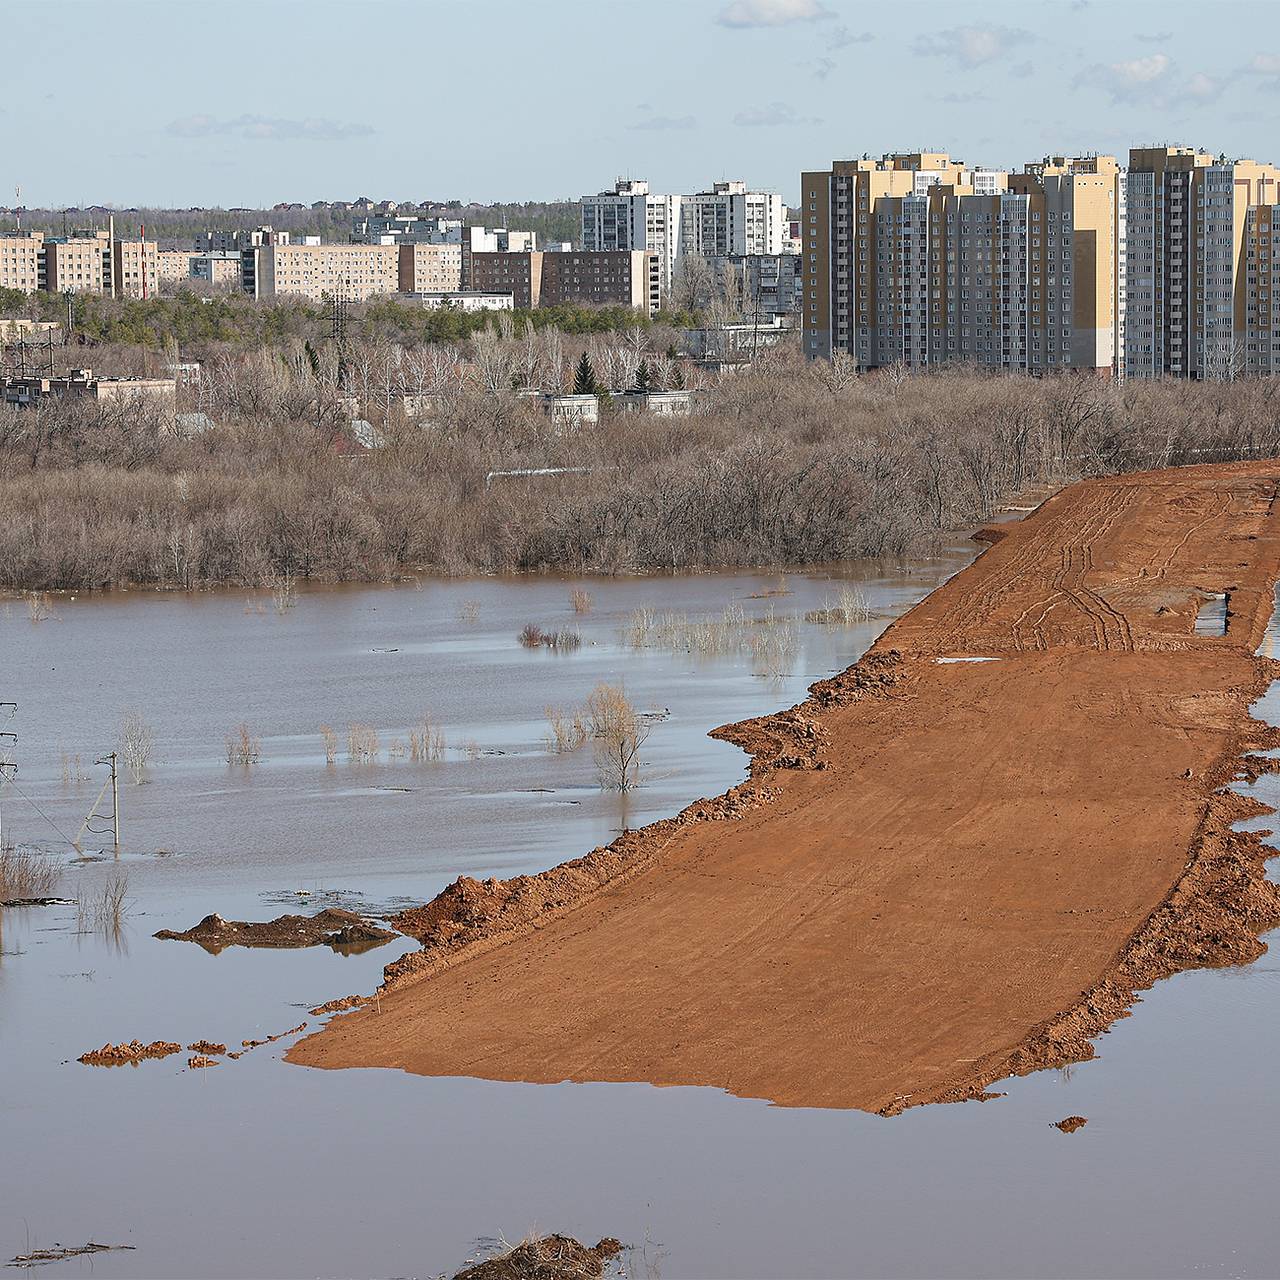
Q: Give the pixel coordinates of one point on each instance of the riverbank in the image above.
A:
(939, 872)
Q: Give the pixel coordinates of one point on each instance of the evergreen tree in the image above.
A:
(584, 378)
(643, 378)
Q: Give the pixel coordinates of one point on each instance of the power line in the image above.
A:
(39, 810)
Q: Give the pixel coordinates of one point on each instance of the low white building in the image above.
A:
(465, 300)
(571, 410)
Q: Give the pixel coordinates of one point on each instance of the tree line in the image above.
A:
(785, 463)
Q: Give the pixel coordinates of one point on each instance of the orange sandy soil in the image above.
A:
(937, 874)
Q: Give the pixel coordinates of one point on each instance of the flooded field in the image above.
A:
(257, 1168)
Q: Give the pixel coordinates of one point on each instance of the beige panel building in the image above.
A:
(316, 271)
(20, 259)
(225, 270)
(77, 264)
(173, 265)
(136, 268)
(918, 259)
(430, 268)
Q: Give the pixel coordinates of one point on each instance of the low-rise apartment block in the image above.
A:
(603, 278)
(430, 267)
(173, 265)
(356, 272)
(21, 259)
(225, 270)
(135, 269)
(76, 264)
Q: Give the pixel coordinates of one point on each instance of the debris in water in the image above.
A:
(207, 1047)
(117, 1055)
(337, 1006)
(554, 1257)
(1071, 1124)
(253, 1044)
(60, 1252)
(331, 927)
(200, 1060)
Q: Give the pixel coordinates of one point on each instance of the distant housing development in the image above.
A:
(1163, 268)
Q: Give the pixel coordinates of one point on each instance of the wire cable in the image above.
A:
(10, 782)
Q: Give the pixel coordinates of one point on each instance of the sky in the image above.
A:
(171, 103)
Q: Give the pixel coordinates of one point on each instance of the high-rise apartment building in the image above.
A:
(730, 221)
(1189, 285)
(918, 259)
(631, 218)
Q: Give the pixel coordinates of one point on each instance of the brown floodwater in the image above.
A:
(259, 1168)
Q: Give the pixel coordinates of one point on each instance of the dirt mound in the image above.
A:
(1071, 1124)
(206, 1047)
(552, 1257)
(119, 1055)
(333, 927)
(995, 858)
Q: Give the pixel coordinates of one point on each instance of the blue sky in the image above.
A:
(203, 102)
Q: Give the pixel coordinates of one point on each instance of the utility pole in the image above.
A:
(114, 783)
(8, 768)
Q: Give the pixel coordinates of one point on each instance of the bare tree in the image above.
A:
(137, 739)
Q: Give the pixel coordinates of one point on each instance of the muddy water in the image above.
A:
(257, 1168)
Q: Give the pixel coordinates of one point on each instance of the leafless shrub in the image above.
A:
(469, 612)
(426, 742)
(330, 743)
(847, 607)
(362, 744)
(137, 740)
(581, 600)
(618, 732)
(104, 909)
(243, 747)
(39, 606)
(563, 639)
(284, 590)
(26, 873)
(567, 729)
(531, 636)
(73, 772)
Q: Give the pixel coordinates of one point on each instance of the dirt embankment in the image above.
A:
(939, 871)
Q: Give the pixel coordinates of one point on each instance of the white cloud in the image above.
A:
(310, 129)
(771, 13)
(1267, 67)
(660, 123)
(1204, 87)
(971, 46)
(842, 36)
(767, 117)
(1137, 80)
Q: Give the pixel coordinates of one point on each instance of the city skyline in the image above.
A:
(706, 89)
